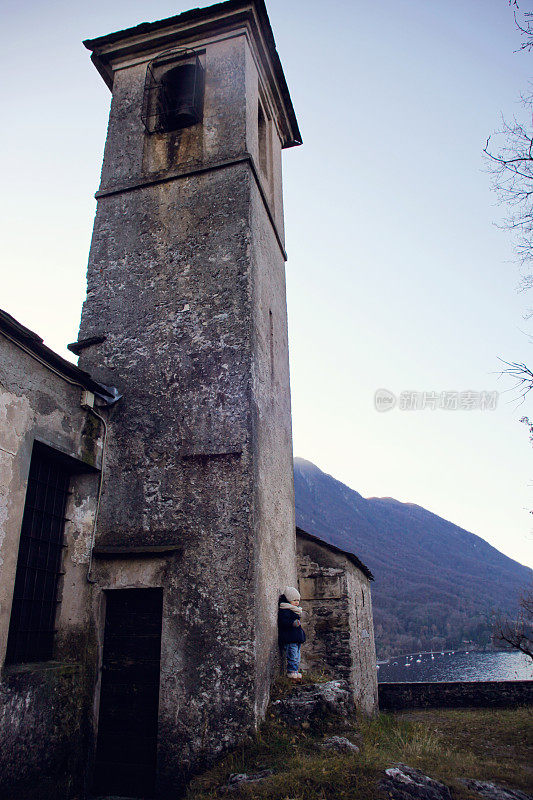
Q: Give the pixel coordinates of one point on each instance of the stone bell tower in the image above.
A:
(186, 315)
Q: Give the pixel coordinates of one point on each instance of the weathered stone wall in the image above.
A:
(337, 620)
(362, 644)
(41, 705)
(36, 404)
(457, 694)
(326, 620)
(275, 548)
(186, 282)
(44, 731)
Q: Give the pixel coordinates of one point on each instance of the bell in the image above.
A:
(180, 96)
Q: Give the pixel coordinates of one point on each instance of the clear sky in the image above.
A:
(397, 276)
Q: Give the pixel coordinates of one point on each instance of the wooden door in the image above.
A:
(127, 726)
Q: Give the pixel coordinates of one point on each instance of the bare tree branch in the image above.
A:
(522, 374)
(525, 27)
(529, 423)
(517, 633)
(509, 154)
(509, 157)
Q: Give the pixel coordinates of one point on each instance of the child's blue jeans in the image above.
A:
(292, 654)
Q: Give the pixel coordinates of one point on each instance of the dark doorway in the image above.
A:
(129, 698)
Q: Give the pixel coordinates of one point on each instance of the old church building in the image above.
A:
(148, 501)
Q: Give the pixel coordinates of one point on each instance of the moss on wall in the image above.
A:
(89, 439)
(43, 729)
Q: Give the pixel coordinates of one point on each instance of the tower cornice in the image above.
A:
(146, 40)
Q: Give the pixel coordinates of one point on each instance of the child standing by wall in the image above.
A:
(290, 632)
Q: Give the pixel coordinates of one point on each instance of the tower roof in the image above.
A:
(334, 549)
(150, 37)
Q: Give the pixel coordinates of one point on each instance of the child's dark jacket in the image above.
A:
(287, 632)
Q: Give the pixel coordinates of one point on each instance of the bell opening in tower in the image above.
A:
(173, 93)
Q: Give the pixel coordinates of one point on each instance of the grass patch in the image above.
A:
(487, 744)
(445, 744)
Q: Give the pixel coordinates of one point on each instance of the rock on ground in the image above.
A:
(405, 783)
(494, 792)
(309, 702)
(237, 779)
(340, 744)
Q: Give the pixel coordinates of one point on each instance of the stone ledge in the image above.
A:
(171, 175)
(456, 694)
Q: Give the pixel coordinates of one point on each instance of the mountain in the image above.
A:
(436, 585)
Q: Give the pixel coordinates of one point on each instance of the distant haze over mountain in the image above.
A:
(436, 586)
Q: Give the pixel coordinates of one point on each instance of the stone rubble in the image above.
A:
(236, 779)
(340, 744)
(310, 702)
(405, 783)
(491, 791)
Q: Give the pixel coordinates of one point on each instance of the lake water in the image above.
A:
(456, 666)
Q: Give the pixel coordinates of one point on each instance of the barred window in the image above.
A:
(33, 614)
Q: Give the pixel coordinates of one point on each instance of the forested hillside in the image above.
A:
(436, 585)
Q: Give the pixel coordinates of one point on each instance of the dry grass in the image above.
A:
(488, 744)
(445, 744)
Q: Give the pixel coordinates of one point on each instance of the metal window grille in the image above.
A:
(31, 631)
(173, 93)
